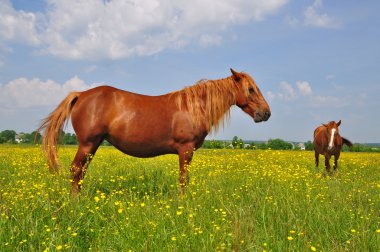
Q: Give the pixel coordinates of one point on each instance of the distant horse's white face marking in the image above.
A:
(331, 144)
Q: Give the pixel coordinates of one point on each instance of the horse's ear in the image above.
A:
(338, 123)
(325, 125)
(235, 74)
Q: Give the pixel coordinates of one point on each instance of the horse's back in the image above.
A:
(106, 105)
(130, 121)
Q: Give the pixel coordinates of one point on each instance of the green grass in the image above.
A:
(237, 200)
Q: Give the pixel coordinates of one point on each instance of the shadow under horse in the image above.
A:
(148, 126)
(328, 142)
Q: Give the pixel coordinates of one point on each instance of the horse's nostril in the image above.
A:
(267, 114)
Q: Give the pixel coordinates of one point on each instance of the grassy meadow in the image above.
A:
(237, 200)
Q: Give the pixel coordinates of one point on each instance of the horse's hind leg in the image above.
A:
(82, 159)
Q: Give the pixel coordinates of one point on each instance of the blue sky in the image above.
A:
(314, 61)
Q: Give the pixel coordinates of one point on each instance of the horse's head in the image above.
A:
(332, 131)
(249, 97)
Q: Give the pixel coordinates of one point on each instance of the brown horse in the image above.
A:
(328, 142)
(147, 126)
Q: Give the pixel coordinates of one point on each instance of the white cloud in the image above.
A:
(304, 93)
(210, 40)
(313, 16)
(17, 26)
(292, 21)
(304, 87)
(328, 101)
(330, 77)
(88, 29)
(25, 93)
(271, 96)
(287, 91)
(90, 69)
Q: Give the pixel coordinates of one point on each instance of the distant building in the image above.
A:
(19, 137)
(301, 146)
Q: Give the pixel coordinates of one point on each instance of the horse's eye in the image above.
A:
(251, 90)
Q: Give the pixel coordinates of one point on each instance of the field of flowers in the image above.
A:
(240, 200)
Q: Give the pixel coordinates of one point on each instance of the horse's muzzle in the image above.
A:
(263, 116)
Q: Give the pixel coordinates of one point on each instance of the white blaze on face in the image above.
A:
(331, 144)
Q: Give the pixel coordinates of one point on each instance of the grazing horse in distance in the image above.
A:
(328, 142)
(148, 126)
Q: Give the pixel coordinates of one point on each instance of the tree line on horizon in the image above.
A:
(11, 137)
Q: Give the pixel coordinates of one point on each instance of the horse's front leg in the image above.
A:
(327, 163)
(316, 158)
(185, 155)
(336, 157)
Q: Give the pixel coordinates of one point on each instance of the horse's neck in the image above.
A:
(208, 102)
(218, 101)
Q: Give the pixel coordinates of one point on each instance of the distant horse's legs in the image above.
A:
(336, 157)
(185, 155)
(80, 163)
(327, 162)
(316, 158)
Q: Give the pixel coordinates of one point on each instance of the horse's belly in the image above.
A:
(150, 148)
(147, 152)
(155, 136)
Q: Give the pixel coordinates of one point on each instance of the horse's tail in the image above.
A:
(53, 126)
(347, 142)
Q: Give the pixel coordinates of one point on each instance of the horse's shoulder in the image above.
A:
(318, 129)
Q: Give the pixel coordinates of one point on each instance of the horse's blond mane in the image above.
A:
(208, 101)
